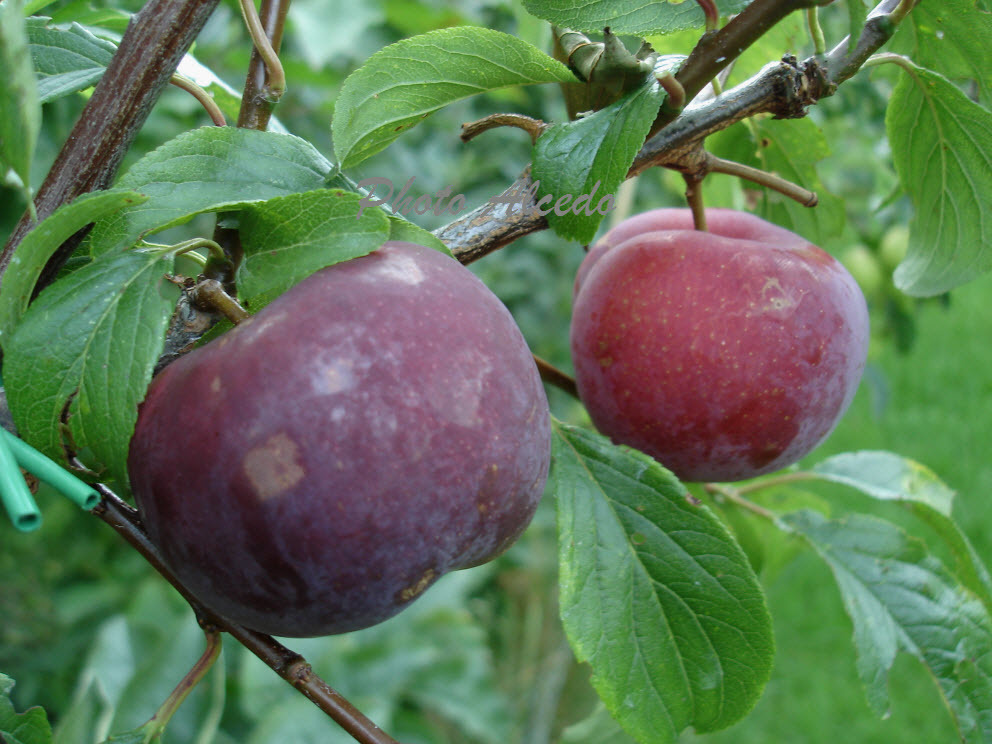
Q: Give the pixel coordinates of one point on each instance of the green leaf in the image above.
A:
(901, 598)
(88, 345)
(407, 81)
(207, 170)
(589, 158)
(404, 230)
(942, 149)
(21, 119)
(627, 16)
(38, 246)
(655, 593)
(890, 477)
(66, 60)
(29, 727)
(289, 237)
(953, 38)
(70, 59)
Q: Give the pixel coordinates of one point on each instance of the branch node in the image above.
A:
(210, 295)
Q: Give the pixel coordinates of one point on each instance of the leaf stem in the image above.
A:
(156, 725)
(902, 10)
(711, 13)
(815, 30)
(884, 58)
(256, 108)
(794, 476)
(674, 89)
(804, 196)
(276, 76)
(204, 98)
(191, 245)
(533, 127)
(734, 495)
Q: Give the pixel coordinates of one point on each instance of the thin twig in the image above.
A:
(554, 376)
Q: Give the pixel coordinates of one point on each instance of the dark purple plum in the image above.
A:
(318, 467)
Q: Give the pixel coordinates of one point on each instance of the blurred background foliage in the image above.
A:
(91, 633)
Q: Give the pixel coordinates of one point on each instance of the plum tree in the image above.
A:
(724, 354)
(315, 469)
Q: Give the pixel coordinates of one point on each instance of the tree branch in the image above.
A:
(785, 89)
(286, 663)
(156, 39)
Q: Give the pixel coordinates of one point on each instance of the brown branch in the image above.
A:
(781, 88)
(287, 664)
(554, 376)
(155, 40)
(718, 49)
(844, 60)
(784, 89)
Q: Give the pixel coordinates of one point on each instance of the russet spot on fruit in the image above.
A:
(318, 467)
(724, 354)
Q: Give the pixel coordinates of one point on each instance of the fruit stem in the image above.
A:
(156, 725)
(205, 99)
(210, 294)
(290, 666)
(534, 127)
(718, 165)
(554, 376)
(694, 196)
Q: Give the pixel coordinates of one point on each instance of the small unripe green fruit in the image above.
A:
(865, 268)
(894, 245)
